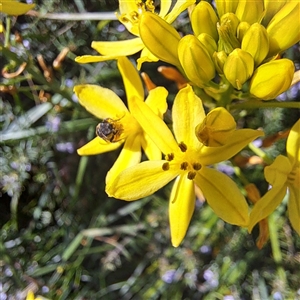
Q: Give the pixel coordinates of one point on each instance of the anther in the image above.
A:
(191, 175)
(166, 166)
(182, 146)
(184, 166)
(196, 166)
(169, 156)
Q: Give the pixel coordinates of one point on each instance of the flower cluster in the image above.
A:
(234, 53)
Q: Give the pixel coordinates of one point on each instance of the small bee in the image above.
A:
(109, 130)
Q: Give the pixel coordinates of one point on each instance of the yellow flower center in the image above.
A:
(185, 160)
(132, 17)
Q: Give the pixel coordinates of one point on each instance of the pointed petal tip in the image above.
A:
(175, 244)
(250, 228)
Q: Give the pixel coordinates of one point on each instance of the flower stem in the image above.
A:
(276, 246)
(252, 104)
(7, 32)
(260, 153)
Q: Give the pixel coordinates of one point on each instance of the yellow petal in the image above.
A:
(132, 81)
(267, 204)
(130, 11)
(85, 59)
(181, 208)
(30, 295)
(293, 143)
(294, 207)
(15, 8)
(178, 8)
(98, 146)
(151, 150)
(118, 48)
(154, 126)
(146, 56)
(237, 141)
(129, 156)
(277, 173)
(164, 7)
(101, 102)
(187, 113)
(141, 180)
(127, 6)
(157, 100)
(223, 196)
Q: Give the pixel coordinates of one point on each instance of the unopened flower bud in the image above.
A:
(238, 67)
(195, 60)
(226, 6)
(284, 28)
(159, 37)
(241, 30)
(219, 59)
(227, 29)
(204, 20)
(256, 42)
(250, 11)
(216, 128)
(208, 42)
(272, 78)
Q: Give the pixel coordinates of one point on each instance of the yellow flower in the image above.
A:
(250, 11)
(238, 67)
(272, 78)
(30, 296)
(158, 35)
(216, 128)
(195, 60)
(119, 124)
(130, 14)
(227, 29)
(187, 160)
(284, 176)
(256, 42)
(225, 6)
(204, 20)
(284, 28)
(14, 8)
(219, 59)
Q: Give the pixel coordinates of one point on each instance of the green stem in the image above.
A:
(276, 246)
(261, 154)
(238, 172)
(252, 104)
(7, 32)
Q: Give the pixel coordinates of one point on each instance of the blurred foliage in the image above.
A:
(62, 237)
